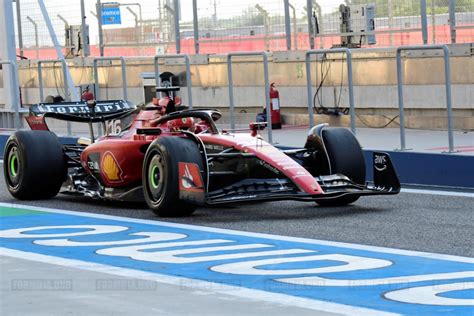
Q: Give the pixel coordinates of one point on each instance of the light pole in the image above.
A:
(35, 25)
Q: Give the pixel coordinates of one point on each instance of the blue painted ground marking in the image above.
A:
(380, 279)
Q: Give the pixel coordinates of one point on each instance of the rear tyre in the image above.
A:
(346, 157)
(161, 175)
(34, 165)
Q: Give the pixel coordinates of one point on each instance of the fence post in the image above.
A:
(401, 104)
(15, 104)
(447, 76)
(176, 26)
(40, 77)
(84, 38)
(309, 13)
(19, 27)
(424, 21)
(124, 75)
(196, 27)
(287, 24)
(98, 8)
(452, 20)
(267, 89)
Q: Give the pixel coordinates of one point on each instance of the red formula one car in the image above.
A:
(179, 161)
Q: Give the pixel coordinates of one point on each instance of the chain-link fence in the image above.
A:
(230, 26)
(149, 27)
(464, 21)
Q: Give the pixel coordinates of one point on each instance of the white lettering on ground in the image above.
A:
(171, 256)
(430, 295)
(426, 295)
(319, 281)
(353, 263)
(92, 230)
(150, 237)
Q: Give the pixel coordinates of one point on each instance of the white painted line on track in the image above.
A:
(436, 192)
(255, 295)
(249, 234)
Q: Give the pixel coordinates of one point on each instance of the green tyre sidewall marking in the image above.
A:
(152, 174)
(13, 167)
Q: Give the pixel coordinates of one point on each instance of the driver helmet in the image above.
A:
(185, 123)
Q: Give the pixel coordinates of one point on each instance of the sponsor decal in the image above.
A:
(93, 165)
(80, 108)
(190, 177)
(111, 168)
(269, 167)
(214, 147)
(380, 162)
(36, 123)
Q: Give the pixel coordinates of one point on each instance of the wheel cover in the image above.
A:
(14, 165)
(155, 178)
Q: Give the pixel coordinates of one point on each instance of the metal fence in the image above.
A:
(167, 27)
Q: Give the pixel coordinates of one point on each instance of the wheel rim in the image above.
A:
(155, 178)
(14, 167)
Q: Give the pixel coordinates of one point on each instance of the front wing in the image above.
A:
(333, 186)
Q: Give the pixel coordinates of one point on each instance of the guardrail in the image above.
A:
(124, 75)
(447, 74)
(267, 88)
(188, 73)
(13, 66)
(349, 82)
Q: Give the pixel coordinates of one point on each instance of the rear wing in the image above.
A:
(78, 112)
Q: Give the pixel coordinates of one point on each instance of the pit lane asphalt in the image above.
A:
(421, 222)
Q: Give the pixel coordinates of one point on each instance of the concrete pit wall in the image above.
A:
(374, 85)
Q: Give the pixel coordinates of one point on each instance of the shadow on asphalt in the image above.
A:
(247, 212)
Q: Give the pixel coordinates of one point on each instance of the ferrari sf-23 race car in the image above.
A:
(179, 161)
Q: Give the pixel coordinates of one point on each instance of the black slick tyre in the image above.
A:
(161, 175)
(346, 157)
(34, 165)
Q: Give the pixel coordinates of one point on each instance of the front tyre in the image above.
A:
(345, 157)
(34, 165)
(161, 175)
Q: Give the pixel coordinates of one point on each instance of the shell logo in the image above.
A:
(110, 168)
